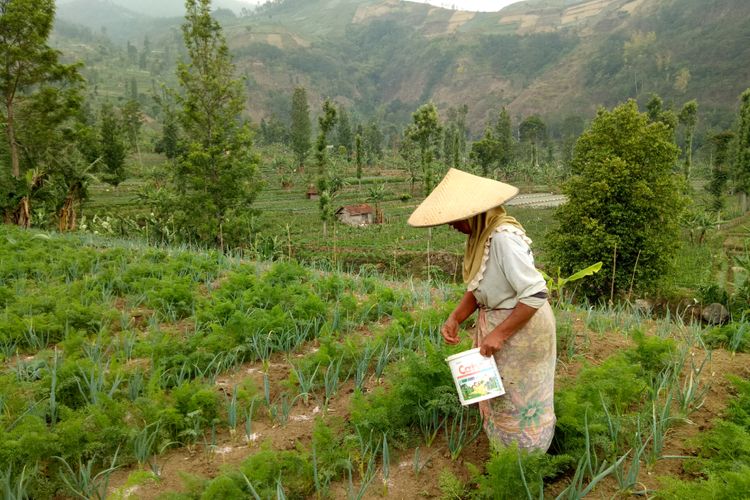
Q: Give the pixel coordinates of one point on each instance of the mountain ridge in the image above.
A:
(383, 58)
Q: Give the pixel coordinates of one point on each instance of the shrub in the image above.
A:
(622, 195)
(723, 485)
(617, 383)
(223, 488)
(417, 383)
(285, 273)
(733, 336)
(192, 396)
(653, 354)
(330, 453)
(294, 467)
(503, 479)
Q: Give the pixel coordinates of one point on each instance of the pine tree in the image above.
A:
(132, 120)
(344, 136)
(358, 156)
(326, 121)
(215, 178)
(111, 146)
(373, 142)
(170, 136)
(719, 172)
(688, 118)
(301, 129)
(423, 131)
(328, 184)
(534, 132)
(133, 90)
(504, 136)
(742, 158)
(456, 122)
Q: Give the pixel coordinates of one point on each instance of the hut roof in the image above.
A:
(361, 209)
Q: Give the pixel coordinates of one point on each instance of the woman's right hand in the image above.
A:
(450, 330)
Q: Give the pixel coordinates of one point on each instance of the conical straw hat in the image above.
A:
(460, 195)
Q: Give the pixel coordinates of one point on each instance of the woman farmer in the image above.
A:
(516, 324)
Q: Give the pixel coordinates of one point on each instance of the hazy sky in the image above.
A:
(480, 5)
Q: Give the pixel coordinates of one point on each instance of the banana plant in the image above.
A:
(556, 286)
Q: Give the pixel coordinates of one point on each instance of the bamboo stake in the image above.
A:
(429, 264)
(289, 241)
(614, 268)
(632, 278)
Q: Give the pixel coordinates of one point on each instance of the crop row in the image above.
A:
(111, 352)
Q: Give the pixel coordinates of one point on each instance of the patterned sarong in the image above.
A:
(525, 413)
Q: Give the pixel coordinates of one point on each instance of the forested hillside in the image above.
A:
(553, 58)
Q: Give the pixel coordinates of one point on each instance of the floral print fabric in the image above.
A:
(525, 413)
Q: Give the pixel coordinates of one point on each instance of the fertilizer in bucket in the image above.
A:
(476, 376)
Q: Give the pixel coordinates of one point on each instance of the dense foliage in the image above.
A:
(624, 203)
(214, 180)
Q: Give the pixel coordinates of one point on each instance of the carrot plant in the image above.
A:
(722, 466)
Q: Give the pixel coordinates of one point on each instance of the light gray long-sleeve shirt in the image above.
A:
(509, 275)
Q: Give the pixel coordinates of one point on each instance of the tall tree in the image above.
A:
(27, 62)
(326, 121)
(504, 136)
(657, 113)
(533, 131)
(485, 152)
(373, 142)
(344, 135)
(132, 120)
(328, 184)
(719, 171)
(408, 160)
(216, 174)
(301, 129)
(111, 146)
(624, 203)
(132, 93)
(572, 127)
(41, 100)
(424, 129)
(358, 157)
(742, 158)
(688, 118)
(455, 134)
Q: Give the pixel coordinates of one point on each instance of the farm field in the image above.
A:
(289, 224)
(132, 371)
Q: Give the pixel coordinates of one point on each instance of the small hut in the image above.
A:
(312, 192)
(356, 215)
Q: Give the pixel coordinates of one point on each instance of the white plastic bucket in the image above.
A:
(476, 376)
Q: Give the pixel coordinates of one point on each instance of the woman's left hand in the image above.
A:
(491, 344)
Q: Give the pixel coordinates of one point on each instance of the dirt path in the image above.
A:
(538, 200)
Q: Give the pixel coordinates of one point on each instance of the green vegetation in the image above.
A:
(723, 462)
(300, 126)
(214, 180)
(624, 203)
(121, 360)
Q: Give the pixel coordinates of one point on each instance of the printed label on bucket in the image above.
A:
(479, 383)
(476, 376)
